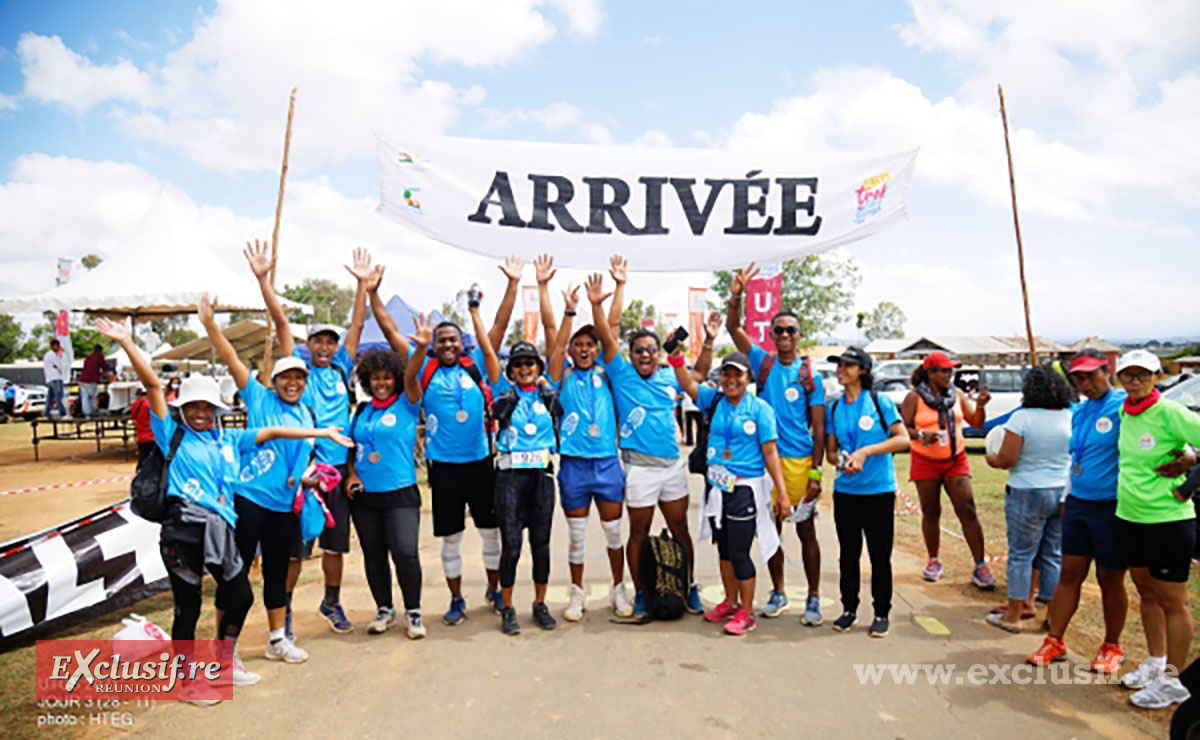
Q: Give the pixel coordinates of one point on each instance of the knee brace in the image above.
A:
(577, 526)
(491, 547)
(452, 555)
(612, 534)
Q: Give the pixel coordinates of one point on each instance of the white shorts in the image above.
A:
(646, 486)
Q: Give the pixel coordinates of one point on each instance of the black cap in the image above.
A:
(854, 356)
(736, 359)
(523, 350)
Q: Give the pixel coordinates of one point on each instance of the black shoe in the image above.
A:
(508, 621)
(541, 615)
(845, 622)
(879, 627)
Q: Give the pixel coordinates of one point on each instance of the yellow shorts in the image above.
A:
(795, 477)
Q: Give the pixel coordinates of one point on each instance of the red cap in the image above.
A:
(1082, 363)
(940, 361)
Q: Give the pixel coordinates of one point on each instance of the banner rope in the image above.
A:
(73, 484)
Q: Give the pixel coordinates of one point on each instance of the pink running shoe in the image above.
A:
(720, 612)
(741, 623)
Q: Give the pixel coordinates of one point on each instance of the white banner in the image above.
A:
(667, 209)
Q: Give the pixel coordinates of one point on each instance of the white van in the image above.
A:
(1004, 383)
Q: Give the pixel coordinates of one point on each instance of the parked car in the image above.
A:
(1186, 393)
(30, 401)
(1003, 383)
(828, 373)
(894, 369)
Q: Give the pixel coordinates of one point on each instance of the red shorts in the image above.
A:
(926, 468)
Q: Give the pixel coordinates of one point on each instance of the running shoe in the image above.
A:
(1144, 675)
(577, 606)
(933, 570)
(1053, 650)
(416, 628)
(541, 615)
(197, 693)
(743, 621)
(285, 650)
(720, 612)
(241, 676)
(777, 604)
(457, 611)
(620, 600)
(845, 622)
(812, 612)
(336, 618)
(384, 619)
(1109, 659)
(983, 578)
(694, 604)
(1161, 694)
(508, 621)
(287, 624)
(496, 599)
(639, 606)
(879, 627)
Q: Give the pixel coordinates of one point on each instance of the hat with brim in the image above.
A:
(325, 329)
(1088, 360)
(939, 361)
(1139, 358)
(288, 363)
(853, 356)
(199, 388)
(736, 359)
(523, 351)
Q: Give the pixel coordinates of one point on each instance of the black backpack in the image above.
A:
(148, 490)
(664, 571)
(698, 457)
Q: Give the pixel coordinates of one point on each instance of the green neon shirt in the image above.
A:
(1146, 441)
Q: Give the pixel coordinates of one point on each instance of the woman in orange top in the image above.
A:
(934, 412)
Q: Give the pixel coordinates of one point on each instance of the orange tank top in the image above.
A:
(926, 420)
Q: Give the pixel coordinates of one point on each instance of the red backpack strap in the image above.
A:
(806, 375)
(764, 370)
(431, 367)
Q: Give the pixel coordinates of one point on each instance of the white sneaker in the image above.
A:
(578, 604)
(384, 619)
(1145, 674)
(241, 676)
(285, 650)
(197, 693)
(416, 629)
(1161, 694)
(620, 600)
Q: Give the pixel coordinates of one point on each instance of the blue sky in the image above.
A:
(190, 98)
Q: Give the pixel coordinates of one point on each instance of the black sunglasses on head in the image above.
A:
(789, 330)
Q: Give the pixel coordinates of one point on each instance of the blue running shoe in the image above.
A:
(457, 611)
(776, 605)
(639, 606)
(694, 604)
(287, 625)
(496, 599)
(336, 617)
(812, 612)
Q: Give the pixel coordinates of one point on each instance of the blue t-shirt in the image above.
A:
(205, 468)
(326, 393)
(1045, 459)
(742, 429)
(265, 476)
(451, 390)
(857, 425)
(1095, 428)
(789, 401)
(530, 428)
(645, 408)
(587, 407)
(392, 432)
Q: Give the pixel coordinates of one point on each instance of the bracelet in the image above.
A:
(568, 313)
(676, 360)
(815, 474)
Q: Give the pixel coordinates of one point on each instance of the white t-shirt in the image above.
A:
(1045, 460)
(52, 365)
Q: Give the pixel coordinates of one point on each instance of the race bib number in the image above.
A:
(531, 459)
(720, 477)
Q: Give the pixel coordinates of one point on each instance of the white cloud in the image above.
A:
(653, 138)
(7, 102)
(553, 117)
(55, 74)
(597, 133)
(584, 16)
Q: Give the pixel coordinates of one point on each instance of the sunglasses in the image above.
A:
(518, 364)
(791, 331)
(645, 350)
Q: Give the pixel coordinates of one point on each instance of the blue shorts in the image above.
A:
(1090, 530)
(581, 478)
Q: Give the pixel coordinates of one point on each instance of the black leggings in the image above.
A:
(276, 533)
(185, 568)
(872, 515)
(389, 530)
(736, 533)
(524, 498)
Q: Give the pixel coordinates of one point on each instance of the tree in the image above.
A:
(90, 261)
(818, 288)
(11, 336)
(236, 316)
(179, 335)
(634, 314)
(451, 313)
(885, 321)
(516, 333)
(331, 302)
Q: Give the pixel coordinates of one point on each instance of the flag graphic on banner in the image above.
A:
(529, 299)
(763, 296)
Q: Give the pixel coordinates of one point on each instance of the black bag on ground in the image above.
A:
(664, 571)
(148, 490)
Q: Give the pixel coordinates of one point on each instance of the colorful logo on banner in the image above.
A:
(417, 162)
(870, 197)
(134, 669)
(411, 201)
(763, 298)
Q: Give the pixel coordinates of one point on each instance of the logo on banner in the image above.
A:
(417, 162)
(411, 200)
(114, 669)
(870, 197)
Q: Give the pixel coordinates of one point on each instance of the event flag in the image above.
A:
(764, 295)
(675, 209)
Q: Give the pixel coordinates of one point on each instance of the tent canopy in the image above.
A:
(247, 338)
(372, 336)
(162, 270)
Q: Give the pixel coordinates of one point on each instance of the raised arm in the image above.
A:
(490, 359)
(545, 273)
(559, 351)
(619, 270)
(266, 434)
(733, 314)
(512, 270)
(261, 262)
(224, 349)
(412, 368)
(122, 335)
(682, 376)
(363, 275)
(704, 360)
(596, 296)
(387, 324)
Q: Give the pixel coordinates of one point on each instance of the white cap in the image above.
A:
(283, 364)
(1142, 358)
(199, 388)
(316, 329)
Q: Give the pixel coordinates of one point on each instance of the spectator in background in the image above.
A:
(52, 367)
(10, 397)
(173, 388)
(94, 371)
(140, 410)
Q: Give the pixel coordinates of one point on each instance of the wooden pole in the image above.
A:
(269, 342)
(1012, 187)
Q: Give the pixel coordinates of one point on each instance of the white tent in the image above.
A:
(161, 271)
(246, 336)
